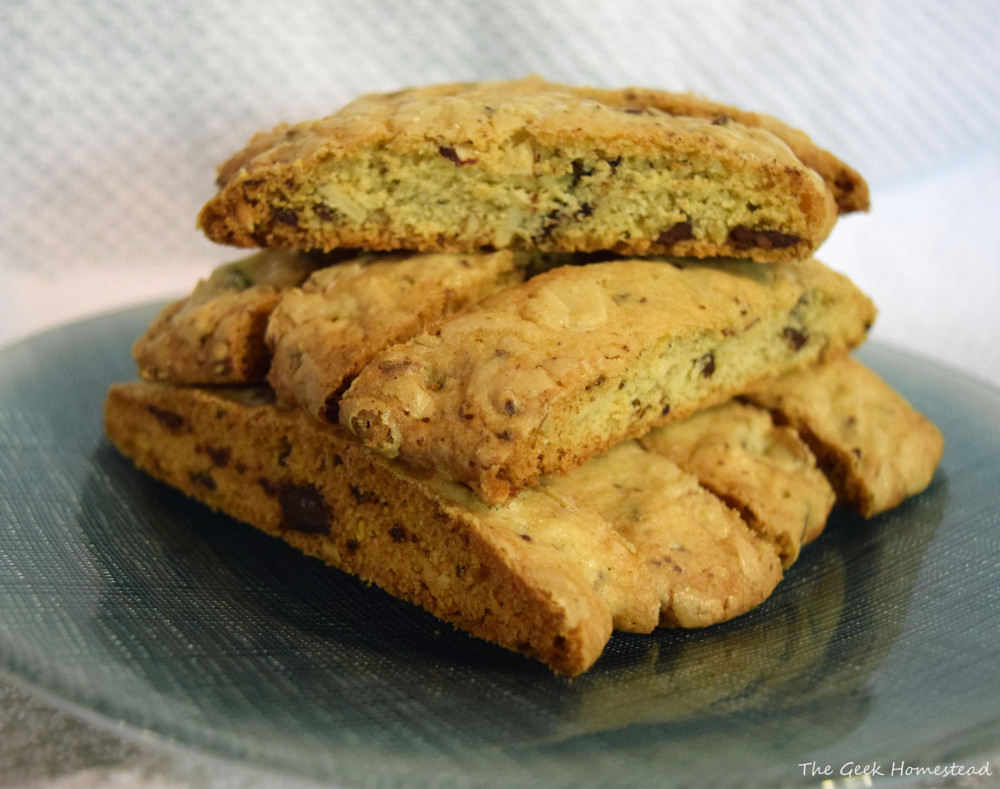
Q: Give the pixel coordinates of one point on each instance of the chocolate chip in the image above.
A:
(707, 365)
(324, 212)
(219, 455)
(202, 478)
(452, 156)
(743, 237)
(362, 496)
(303, 508)
(796, 338)
(579, 171)
(550, 221)
(284, 449)
(352, 546)
(286, 216)
(682, 231)
(399, 534)
(171, 420)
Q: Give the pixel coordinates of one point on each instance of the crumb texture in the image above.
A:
(527, 164)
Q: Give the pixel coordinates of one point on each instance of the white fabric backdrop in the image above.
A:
(114, 114)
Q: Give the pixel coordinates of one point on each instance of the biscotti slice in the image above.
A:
(322, 333)
(541, 377)
(464, 167)
(541, 577)
(765, 472)
(847, 185)
(876, 449)
(709, 566)
(216, 335)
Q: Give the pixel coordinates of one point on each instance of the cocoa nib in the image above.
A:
(680, 232)
(452, 156)
(743, 237)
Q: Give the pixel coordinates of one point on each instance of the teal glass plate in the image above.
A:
(145, 610)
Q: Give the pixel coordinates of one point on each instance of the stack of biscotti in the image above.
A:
(547, 361)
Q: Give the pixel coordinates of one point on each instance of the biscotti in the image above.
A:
(542, 376)
(876, 449)
(529, 164)
(628, 542)
(764, 471)
(540, 576)
(707, 563)
(217, 334)
(849, 189)
(547, 361)
(322, 333)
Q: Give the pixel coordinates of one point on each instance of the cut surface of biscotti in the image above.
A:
(540, 576)
(847, 185)
(708, 565)
(764, 471)
(216, 335)
(539, 378)
(322, 333)
(530, 164)
(876, 449)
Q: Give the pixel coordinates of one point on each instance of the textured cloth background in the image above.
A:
(114, 114)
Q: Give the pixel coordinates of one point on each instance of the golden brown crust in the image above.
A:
(876, 449)
(457, 168)
(539, 378)
(216, 335)
(707, 564)
(766, 472)
(322, 333)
